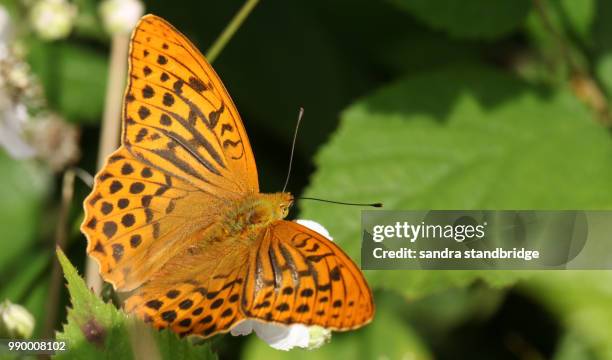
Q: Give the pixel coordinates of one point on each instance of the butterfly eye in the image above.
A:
(284, 210)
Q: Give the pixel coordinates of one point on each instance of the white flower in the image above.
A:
(19, 75)
(120, 16)
(27, 129)
(313, 225)
(5, 24)
(15, 321)
(53, 19)
(278, 336)
(13, 118)
(286, 337)
(282, 337)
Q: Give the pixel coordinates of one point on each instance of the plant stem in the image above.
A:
(230, 30)
(60, 241)
(142, 340)
(542, 11)
(111, 124)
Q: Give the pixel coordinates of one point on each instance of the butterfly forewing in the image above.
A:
(179, 116)
(181, 126)
(198, 292)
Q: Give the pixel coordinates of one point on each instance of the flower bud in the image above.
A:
(5, 32)
(13, 118)
(19, 75)
(120, 16)
(5, 24)
(15, 321)
(53, 19)
(318, 336)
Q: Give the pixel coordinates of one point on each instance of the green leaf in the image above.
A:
(567, 17)
(572, 346)
(434, 50)
(434, 315)
(481, 19)
(580, 16)
(604, 71)
(387, 337)
(602, 37)
(74, 78)
(459, 138)
(602, 27)
(93, 326)
(28, 285)
(581, 300)
(98, 330)
(23, 190)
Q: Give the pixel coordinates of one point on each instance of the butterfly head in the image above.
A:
(284, 201)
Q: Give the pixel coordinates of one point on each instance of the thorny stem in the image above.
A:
(142, 340)
(548, 25)
(60, 241)
(230, 30)
(584, 86)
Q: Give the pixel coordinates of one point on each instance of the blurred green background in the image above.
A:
(419, 104)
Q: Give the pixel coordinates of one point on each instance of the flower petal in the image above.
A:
(315, 226)
(120, 16)
(53, 19)
(243, 328)
(282, 337)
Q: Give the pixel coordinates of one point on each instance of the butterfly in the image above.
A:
(176, 217)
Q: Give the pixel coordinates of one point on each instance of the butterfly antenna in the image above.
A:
(378, 205)
(297, 126)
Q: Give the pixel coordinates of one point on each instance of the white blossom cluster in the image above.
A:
(120, 16)
(28, 130)
(55, 19)
(15, 321)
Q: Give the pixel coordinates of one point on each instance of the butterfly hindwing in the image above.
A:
(136, 217)
(302, 277)
(197, 293)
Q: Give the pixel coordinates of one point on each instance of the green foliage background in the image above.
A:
(419, 104)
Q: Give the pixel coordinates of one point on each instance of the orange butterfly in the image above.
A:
(176, 212)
